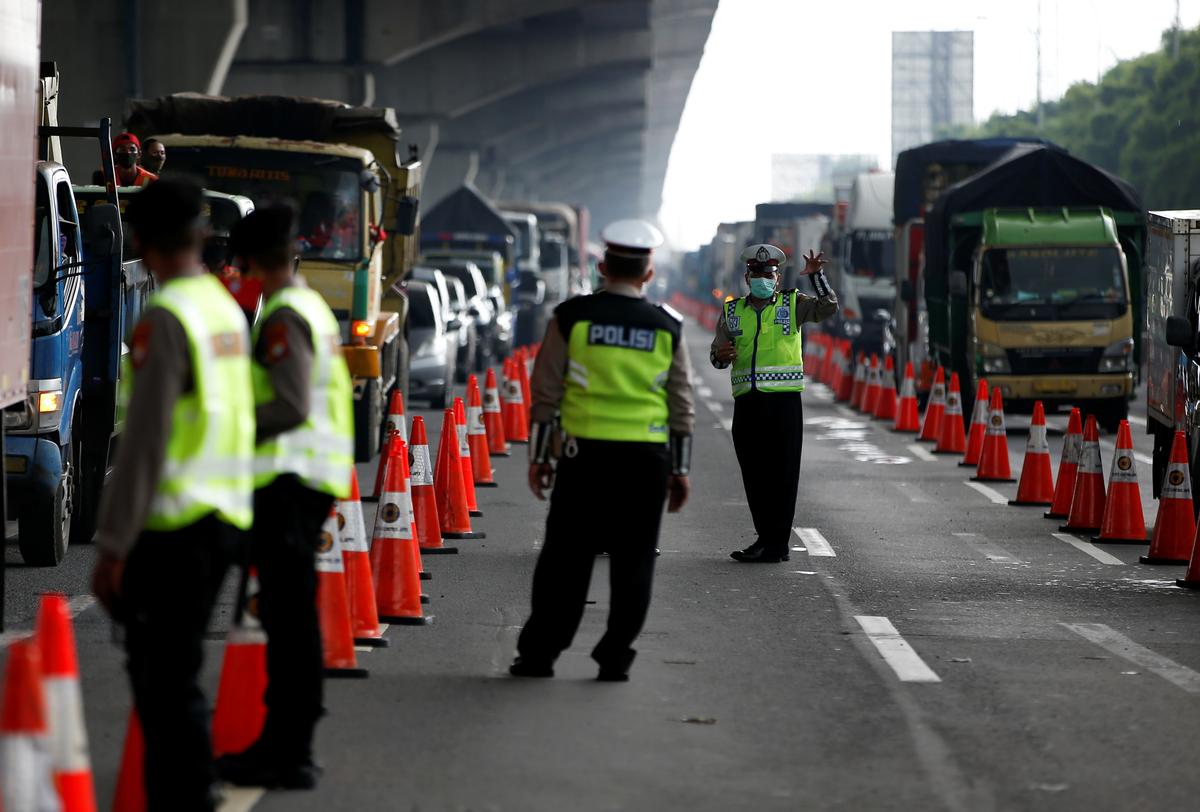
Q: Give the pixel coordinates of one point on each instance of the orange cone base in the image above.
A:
(425, 600)
(475, 514)
(474, 534)
(1066, 528)
(1154, 559)
(992, 479)
(1020, 503)
(1187, 584)
(517, 442)
(957, 453)
(406, 621)
(424, 576)
(487, 484)
(1052, 515)
(367, 497)
(499, 453)
(373, 642)
(346, 673)
(968, 464)
(437, 551)
(1102, 540)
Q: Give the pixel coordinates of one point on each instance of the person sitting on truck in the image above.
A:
(126, 151)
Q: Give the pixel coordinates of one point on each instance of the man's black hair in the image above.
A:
(168, 215)
(146, 144)
(620, 266)
(266, 235)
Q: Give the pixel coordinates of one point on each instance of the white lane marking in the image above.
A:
(704, 391)
(1137, 420)
(992, 552)
(1089, 548)
(240, 799)
(727, 423)
(846, 411)
(921, 453)
(1178, 675)
(994, 496)
(895, 650)
(815, 542)
(714, 406)
(75, 606)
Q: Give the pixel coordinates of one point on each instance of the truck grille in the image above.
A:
(1055, 361)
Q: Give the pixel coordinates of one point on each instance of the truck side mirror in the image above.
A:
(406, 216)
(368, 181)
(1180, 333)
(958, 283)
(906, 291)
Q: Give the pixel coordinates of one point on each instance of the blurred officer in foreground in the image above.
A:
(180, 491)
(759, 335)
(305, 433)
(616, 368)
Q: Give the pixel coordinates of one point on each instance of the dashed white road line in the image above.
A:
(75, 606)
(846, 411)
(727, 423)
(921, 453)
(240, 799)
(1089, 548)
(714, 406)
(1137, 420)
(895, 650)
(1178, 675)
(816, 543)
(704, 391)
(992, 552)
(994, 496)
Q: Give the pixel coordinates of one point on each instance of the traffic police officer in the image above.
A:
(615, 367)
(180, 491)
(759, 335)
(305, 432)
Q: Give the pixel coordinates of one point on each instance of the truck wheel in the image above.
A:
(1110, 413)
(44, 523)
(89, 482)
(368, 416)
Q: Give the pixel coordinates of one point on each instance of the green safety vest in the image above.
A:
(320, 451)
(210, 454)
(770, 357)
(619, 352)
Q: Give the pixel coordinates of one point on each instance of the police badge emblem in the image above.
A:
(783, 316)
(734, 323)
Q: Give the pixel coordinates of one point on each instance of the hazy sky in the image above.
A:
(813, 76)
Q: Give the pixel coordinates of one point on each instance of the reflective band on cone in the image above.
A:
(1068, 464)
(516, 427)
(27, 781)
(360, 587)
(493, 417)
(1175, 525)
(932, 427)
(395, 559)
(845, 387)
(871, 396)
(885, 405)
(477, 439)
(448, 484)
(993, 461)
(333, 608)
(951, 439)
(860, 382)
(424, 496)
(1087, 502)
(1123, 521)
(395, 417)
(464, 456)
(978, 430)
(1037, 477)
(908, 418)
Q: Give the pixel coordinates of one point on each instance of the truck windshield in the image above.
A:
(420, 309)
(1052, 283)
(324, 188)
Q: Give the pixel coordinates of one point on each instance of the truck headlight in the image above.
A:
(46, 402)
(993, 359)
(1118, 356)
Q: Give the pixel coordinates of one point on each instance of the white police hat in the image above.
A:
(631, 238)
(764, 254)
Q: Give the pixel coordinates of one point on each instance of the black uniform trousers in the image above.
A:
(768, 435)
(169, 587)
(288, 517)
(609, 497)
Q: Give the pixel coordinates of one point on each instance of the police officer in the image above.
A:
(180, 491)
(615, 367)
(303, 462)
(759, 335)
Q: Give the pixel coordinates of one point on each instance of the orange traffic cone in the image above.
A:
(951, 439)
(846, 384)
(831, 359)
(931, 428)
(418, 562)
(64, 705)
(835, 367)
(871, 395)
(908, 413)
(1175, 526)
(516, 427)
(1123, 520)
(394, 555)
(240, 710)
(885, 406)
(1037, 478)
(979, 421)
(464, 456)
(448, 484)
(1191, 579)
(493, 417)
(860, 382)
(477, 439)
(993, 461)
(333, 608)
(26, 766)
(1068, 465)
(395, 416)
(424, 497)
(130, 795)
(1087, 503)
(356, 556)
(525, 370)
(385, 454)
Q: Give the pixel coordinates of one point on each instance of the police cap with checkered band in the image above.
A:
(763, 255)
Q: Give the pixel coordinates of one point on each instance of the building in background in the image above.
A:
(797, 177)
(933, 85)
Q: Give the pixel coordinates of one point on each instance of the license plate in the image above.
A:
(1054, 386)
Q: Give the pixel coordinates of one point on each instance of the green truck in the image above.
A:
(1033, 280)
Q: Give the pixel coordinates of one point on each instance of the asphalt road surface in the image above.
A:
(925, 648)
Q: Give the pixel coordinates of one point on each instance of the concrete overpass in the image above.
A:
(575, 100)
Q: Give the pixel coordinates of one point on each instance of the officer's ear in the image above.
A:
(648, 275)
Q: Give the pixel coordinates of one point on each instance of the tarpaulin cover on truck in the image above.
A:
(465, 216)
(285, 117)
(913, 164)
(1039, 177)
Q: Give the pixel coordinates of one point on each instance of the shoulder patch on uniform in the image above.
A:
(672, 312)
(139, 344)
(275, 342)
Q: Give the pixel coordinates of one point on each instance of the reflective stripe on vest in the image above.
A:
(209, 459)
(321, 449)
(770, 352)
(616, 382)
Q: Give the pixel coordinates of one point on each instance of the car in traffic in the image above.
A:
(468, 343)
(433, 350)
(480, 309)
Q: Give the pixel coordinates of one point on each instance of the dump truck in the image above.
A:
(357, 199)
(1033, 280)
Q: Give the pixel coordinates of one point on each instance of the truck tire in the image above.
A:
(44, 521)
(89, 482)
(1110, 413)
(368, 416)
(1163, 439)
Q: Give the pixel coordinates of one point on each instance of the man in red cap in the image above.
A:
(126, 151)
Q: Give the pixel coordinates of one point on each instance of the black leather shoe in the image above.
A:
(527, 668)
(612, 675)
(759, 555)
(253, 767)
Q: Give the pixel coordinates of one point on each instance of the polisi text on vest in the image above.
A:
(618, 335)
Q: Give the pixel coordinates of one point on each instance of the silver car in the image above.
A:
(432, 352)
